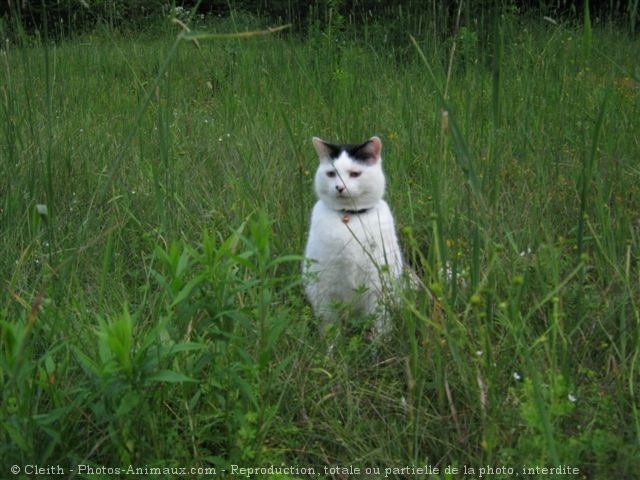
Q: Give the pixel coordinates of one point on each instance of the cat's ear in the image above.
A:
(369, 151)
(375, 146)
(323, 149)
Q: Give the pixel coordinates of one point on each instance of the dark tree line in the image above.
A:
(68, 17)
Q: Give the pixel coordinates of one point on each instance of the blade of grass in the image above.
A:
(587, 173)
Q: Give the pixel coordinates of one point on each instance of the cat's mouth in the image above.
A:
(344, 198)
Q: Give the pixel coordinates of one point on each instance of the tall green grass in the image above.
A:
(152, 313)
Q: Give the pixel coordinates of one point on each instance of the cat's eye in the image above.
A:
(331, 174)
(354, 174)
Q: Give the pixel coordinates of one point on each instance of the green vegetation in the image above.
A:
(154, 199)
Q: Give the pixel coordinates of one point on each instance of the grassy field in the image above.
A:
(154, 203)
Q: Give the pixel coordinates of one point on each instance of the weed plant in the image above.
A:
(154, 200)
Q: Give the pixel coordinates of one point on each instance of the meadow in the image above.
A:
(155, 192)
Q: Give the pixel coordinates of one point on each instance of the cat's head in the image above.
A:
(349, 177)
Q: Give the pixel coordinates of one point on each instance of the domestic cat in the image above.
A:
(352, 258)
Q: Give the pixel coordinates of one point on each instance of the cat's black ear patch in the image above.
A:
(367, 152)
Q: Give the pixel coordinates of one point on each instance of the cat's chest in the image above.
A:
(334, 229)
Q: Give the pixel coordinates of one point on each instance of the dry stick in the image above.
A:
(453, 50)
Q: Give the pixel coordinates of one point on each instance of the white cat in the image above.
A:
(352, 257)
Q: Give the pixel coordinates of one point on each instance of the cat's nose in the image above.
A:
(340, 188)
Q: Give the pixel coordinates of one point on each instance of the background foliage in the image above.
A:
(68, 17)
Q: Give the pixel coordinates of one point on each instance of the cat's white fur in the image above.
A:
(351, 259)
